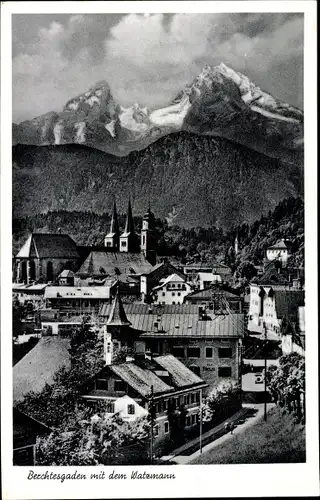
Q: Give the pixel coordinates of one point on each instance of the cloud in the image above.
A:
(149, 58)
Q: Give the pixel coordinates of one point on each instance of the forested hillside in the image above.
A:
(191, 180)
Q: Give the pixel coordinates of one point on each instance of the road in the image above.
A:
(182, 459)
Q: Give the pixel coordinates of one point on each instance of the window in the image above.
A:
(188, 399)
(209, 352)
(193, 352)
(143, 239)
(109, 244)
(194, 419)
(156, 430)
(131, 410)
(102, 384)
(163, 294)
(195, 369)
(179, 294)
(188, 421)
(166, 427)
(119, 386)
(225, 352)
(173, 294)
(173, 302)
(224, 371)
(178, 352)
(192, 398)
(197, 397)
(110, 407)
(123, 243)
(165, 405)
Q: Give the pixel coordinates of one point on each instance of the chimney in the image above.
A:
(139, 350)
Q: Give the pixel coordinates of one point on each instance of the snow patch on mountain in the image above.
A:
(111, 128)
(134, 119)
(73, 105)
(274, 116)
(80, 132)
(57, 131)
(171, 116)
(92, 100)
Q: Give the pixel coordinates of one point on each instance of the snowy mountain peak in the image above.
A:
(219, 102)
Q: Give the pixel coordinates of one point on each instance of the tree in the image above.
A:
(96, 440)
(222, 401)
(286, 383)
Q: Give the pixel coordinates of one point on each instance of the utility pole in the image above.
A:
(200, 420)
(151, 428)
(265, 372)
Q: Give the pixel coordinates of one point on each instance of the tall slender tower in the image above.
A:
(128, 239)
(236, 245)
(148, 240)
(111, 239)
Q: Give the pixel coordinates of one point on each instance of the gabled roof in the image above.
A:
(173, 278)
(26, 429)
(287, 303)
(208, 292)
(66, 273)
(105, 263)
(117, 314)
(39, 365)
(280, 245)
(48, 245)
(181, 375)
(164, 269)
(140, 379)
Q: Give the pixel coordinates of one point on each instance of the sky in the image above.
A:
(149, 58)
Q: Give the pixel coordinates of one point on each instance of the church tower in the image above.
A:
(128, 239)
(111, 240)
(148, 240)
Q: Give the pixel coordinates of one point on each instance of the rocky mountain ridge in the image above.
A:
(220, 103)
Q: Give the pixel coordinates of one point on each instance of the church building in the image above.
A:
(122, 256)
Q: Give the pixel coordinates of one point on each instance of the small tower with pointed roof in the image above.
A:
(111, 239)
(128, 239)
(148, 240)
(116, 329)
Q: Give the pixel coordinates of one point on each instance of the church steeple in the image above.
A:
(111, 240)
(129, 228)
(128, 240)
